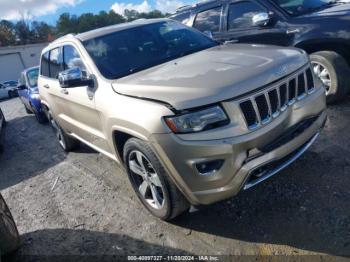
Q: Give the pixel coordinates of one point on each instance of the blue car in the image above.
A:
(29, 93)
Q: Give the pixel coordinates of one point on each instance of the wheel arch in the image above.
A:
(120, 136)
(322, 45)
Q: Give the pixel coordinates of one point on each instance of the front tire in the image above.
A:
(66, 142)
(334, 72)
(150, 181)
(9, 237)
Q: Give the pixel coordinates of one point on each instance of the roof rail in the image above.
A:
(181, 8)
(185, 7)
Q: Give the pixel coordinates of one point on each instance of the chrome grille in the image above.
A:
(259, 109)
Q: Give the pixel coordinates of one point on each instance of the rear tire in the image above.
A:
(10, 94)
(9, 237)
(336, 76)
(66, 142)
(40, 116)
(170, 201)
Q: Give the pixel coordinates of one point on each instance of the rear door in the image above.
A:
(238, 24)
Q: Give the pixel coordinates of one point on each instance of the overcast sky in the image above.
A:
(49, 10)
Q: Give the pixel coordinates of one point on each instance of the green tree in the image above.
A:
(7, 33)
(66, 24)
(41, 31)
(23, 33)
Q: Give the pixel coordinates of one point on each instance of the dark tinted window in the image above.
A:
(45, 71)
(55, 62)
(182, 18)
(300, 7)
(241, 14)
(208, 20)
(71, 58)
(127, 51)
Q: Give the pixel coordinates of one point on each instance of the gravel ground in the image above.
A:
(92, 210)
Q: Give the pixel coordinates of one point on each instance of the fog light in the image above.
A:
(210, 167)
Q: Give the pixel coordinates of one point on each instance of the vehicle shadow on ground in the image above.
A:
(84, 245)
(306, 207)
(29, 149)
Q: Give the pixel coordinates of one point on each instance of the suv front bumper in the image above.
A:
(248, 160)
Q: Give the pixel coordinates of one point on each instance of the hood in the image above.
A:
(341, 9)
(212, 75)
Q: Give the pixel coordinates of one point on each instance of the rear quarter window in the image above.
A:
(44, 67)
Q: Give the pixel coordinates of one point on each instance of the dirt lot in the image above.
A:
(92, 210)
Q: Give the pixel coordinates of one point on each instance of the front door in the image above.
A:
(238, 25)
(79, 113)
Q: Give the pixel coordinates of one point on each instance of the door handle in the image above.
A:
(64, 91)
(293, 31)
(232, 41)
(47, 86)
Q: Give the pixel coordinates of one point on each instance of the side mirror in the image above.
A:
(209, 34)
(74, 77)
(261, 19)
(21, 87)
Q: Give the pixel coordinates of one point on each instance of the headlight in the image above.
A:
(197, 121)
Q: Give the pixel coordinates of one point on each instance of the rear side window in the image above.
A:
(71, 58)
(45, 71)
(182, 18)
(240, 15)
(208, 20)
(55, 62)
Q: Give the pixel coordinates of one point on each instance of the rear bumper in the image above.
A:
(248, 159)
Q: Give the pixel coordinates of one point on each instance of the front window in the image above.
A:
(300, 7)
(208, 20)
(32, 76)
(240, 15)
(127, 51)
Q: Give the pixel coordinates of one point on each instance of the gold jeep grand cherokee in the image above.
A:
(192, 121)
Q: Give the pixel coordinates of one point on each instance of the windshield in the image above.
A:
(299, 7)
(131, 50)
(33, 77)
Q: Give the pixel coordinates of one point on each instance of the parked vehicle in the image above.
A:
(320, 27)
(29, 93)
(10, 83)
(193, 122)
(9, 237)
(7, 91)
(2, 132)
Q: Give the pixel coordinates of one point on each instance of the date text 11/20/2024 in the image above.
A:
(173, 258)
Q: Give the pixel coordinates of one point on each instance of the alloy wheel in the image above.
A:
(146, 179)
(323, 74)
